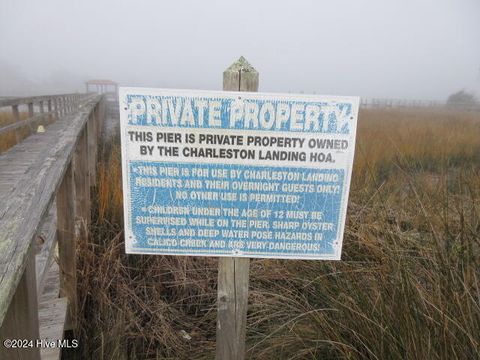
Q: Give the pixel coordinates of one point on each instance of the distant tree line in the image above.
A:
(462, 98)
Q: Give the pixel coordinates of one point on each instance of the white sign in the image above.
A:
(236, 174)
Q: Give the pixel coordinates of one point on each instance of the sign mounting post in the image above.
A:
(233, 273)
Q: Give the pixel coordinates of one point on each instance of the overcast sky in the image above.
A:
(377, 48)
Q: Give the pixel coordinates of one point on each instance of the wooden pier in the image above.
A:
(45, 181)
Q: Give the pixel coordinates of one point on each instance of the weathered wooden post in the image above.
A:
(92, 149)
(16, 116)
(30, 110)
(66, 238)
(233, 273)
(49, 109)
(61, 104)
(82, 180)
(16, 113)
(101, 114)
(81, 215)
(21, 319)
(56, 107)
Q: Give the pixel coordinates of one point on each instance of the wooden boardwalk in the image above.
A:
(45, 185)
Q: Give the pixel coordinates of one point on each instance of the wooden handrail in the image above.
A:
(22, 123)
(57, 105)
(33, 99)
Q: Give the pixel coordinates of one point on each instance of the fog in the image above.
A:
(409, 49)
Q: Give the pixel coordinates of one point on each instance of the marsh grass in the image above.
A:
(407, 286)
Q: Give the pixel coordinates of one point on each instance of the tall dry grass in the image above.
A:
(418, 139)
(407, 286)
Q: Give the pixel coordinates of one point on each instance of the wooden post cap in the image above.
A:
(241, 65)
(240, 76)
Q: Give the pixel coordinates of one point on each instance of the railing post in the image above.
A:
(60, 106)
(49, 109)
(42, 110)
(98, 121)
(103, 114)
(92, 148)
(21, 320)
(81, 217)
(16, 113)
(99, 117)
(16, 117)
(31, 113)
(233, 273)
(56, 108)
(66, 240)
(30, 110)
(82, 181)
